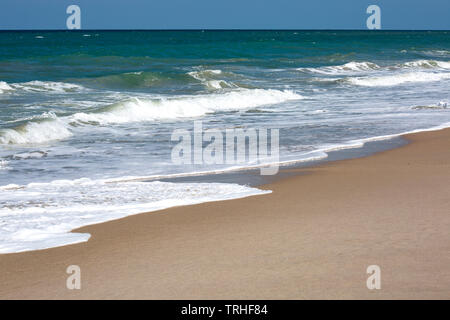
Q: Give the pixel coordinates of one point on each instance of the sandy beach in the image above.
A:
(312, 238)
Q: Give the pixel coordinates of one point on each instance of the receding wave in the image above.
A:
(136, 110)
(41, 215)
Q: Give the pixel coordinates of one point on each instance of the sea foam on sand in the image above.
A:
(41, 215)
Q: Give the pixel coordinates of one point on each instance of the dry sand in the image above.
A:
(313, 237)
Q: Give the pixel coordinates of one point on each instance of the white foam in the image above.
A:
(41, 215)
(219, 84)
(47, 86)
(29, 155)
(354, 67)
(392, 80)
(207, 77)
(437, 53)
(4, 87)
(201, 75)
(3, 164)
(427, 64)
(36, 132)
(349, 67)
(185, 107)
(137, 110)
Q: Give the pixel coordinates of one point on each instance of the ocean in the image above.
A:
(86, 117)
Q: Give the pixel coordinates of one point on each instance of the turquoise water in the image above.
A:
(96, 105)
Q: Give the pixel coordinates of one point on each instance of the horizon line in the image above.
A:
(219, 29)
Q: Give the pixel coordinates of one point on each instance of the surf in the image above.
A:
(144, 109)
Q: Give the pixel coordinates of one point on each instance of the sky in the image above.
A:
(225, 14)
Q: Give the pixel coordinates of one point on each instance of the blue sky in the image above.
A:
(225, 14)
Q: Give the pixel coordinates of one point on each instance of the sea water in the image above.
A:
(86, 117)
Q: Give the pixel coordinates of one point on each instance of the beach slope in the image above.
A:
(312, 238)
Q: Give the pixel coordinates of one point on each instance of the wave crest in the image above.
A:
(47, 86)
(392, 80)
(136, 110)
(210, 80)
(352, 66)
(186, 107)
(4, 87)
(36, 132)
(360, 67)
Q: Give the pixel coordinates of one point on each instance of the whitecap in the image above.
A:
(47, 86)
(185, 107)
(5, 87)
(397, 79)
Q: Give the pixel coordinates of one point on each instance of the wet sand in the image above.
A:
(312, 238)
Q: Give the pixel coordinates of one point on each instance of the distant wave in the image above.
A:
(397, 79)
(363, 67)
(340, 69)
(426, 64)
(41, 86)
(372, 75)
(134, 110)
(436, 53)
(210, 79)
(137, 79)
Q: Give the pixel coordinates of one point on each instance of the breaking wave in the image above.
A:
(363, 67)
(209, 78)
(345, 68)
(397, 79)
(4, 87)
(47, 86)
(36, 132)
(136, 110)
(185, 107)
(426, 64)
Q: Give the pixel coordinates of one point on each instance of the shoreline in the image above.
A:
(291, 244)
